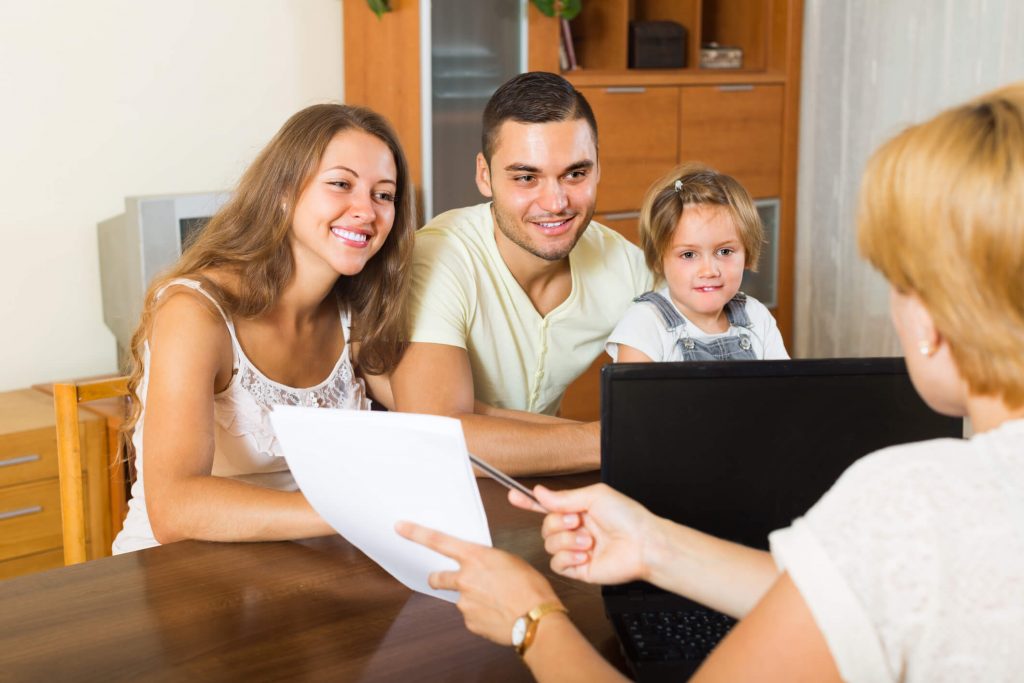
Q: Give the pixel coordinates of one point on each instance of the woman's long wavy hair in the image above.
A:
(249, 238)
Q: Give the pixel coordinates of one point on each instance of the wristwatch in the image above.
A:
(525, 626)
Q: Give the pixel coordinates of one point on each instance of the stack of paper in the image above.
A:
(363, 471)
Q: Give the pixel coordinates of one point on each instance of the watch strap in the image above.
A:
(532, 618)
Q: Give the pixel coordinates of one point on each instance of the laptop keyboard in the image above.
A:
(672, 635)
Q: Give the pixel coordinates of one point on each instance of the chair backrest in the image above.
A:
(67, 396)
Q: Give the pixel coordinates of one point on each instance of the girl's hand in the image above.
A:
(594, 534)
(495, 588)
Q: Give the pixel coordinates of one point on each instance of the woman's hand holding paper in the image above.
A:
(594, 534)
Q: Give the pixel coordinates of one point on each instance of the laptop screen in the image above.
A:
(739, 449)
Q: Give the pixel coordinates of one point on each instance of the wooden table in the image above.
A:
(307, 610)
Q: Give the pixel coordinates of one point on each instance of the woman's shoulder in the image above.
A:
(909, 487)
(190, 307)
(919, 462)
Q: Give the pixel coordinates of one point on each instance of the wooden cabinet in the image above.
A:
(30, 521)
(736, 129)
(638, 140)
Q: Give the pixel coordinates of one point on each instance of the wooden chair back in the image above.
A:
(67, 396)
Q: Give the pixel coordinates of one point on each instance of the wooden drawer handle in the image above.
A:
(20, 460)
(625, 89)
(620, 216)
(735, 88)
(21, 512)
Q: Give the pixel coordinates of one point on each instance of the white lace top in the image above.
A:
(913, 563)
(244, 443)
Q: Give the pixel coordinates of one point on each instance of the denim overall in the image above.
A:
(722, 348)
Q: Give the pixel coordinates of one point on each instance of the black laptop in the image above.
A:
(737, 449)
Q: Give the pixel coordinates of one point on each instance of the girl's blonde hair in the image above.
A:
(248, 238)
(942, 217)
(686, 185)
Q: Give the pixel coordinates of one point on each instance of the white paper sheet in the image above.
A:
(363, 471)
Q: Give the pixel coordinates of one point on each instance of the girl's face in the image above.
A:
(345, 213)
(703, 264)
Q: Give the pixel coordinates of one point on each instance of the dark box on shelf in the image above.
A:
(657, 45)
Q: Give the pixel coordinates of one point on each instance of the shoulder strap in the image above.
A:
(196, 286)
(669, 315)
(736, 311)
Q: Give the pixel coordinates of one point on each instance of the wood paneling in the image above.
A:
(27, 564)
(787, 36)
(601, 34)
(736, 130)
(582, 400)
(638, 131)
(382, 69)
(738, 23)
(544, 37)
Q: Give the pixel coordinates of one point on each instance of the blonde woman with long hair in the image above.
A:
(911, 568)
(293, 293)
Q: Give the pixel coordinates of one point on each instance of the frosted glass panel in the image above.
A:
(475, 47)
(762, 284)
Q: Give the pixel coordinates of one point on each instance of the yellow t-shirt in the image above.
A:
(464, 295)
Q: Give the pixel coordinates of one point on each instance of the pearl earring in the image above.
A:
(925, 348)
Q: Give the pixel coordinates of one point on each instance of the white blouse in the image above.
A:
(913, 563)
(245, 447)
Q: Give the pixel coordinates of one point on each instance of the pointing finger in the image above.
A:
(435, 540)
(448, 581)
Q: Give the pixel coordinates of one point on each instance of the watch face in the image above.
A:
(519, 631)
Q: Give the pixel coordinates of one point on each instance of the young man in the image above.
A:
(513, 299)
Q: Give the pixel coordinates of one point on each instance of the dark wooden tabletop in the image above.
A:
(306, 610)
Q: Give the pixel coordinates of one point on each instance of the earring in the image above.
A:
(925, 348)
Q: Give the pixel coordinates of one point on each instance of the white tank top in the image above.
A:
(245, 447)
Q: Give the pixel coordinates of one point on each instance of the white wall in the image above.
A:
(870, 68)
(100, 99)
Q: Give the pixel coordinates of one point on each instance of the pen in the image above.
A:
(505, 480)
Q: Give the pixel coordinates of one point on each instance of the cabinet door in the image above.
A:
(638, 134)
(736, 129)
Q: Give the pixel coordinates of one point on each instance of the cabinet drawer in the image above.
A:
(29, 518)
(736, 129)
(28, 456)
(19, 566)
(638, 141)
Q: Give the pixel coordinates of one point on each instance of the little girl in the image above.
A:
(699, 230)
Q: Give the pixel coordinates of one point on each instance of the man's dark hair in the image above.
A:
(534, 97)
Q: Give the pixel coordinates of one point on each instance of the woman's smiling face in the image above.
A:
(345, 213)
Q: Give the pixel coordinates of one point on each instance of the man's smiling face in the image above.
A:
(542, 179)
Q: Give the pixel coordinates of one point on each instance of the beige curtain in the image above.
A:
(870, 67)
